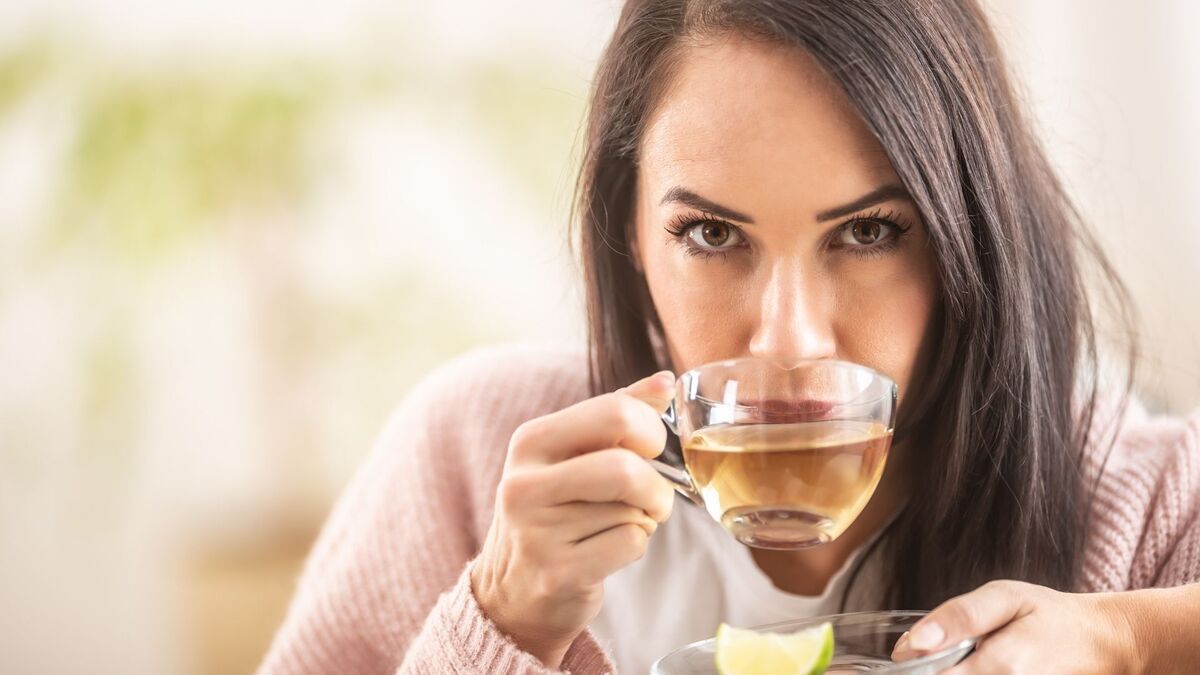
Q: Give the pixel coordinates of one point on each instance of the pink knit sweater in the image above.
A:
(385, 589)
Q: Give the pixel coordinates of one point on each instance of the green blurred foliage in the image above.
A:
(189, 349)
(529, 125)
(21, 67)
(162, 159)
(158, 156)
(160, 152)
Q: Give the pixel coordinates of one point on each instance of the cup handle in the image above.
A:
(670, 417)
(680, 479)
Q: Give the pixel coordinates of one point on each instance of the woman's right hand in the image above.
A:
(576, 502)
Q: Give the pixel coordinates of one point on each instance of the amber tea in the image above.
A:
(787, 485)
(783, 454)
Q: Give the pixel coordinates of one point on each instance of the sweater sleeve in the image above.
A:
(1144, 529)
(385, 588)
(1179, 528)
(459, 638)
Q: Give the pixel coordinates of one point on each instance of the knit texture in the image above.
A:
(386, 589)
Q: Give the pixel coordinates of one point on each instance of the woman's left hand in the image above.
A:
(1025, 628)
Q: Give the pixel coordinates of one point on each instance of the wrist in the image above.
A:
(1155, 638)
(1122, 613)
(549, 649)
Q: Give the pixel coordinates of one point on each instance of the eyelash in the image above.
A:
(679, 226)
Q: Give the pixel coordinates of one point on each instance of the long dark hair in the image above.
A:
(1002, 415)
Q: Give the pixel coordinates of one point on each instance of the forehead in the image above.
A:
(760, 118)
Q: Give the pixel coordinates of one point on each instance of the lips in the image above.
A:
(780, 411)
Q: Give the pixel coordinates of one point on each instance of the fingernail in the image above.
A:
(926, 636)
(665, 377)
(902, 643)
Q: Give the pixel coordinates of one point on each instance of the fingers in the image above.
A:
(901, 651)
(627, 418)
(576, 502)
(654, 391)
(576, 521)
(610, 475)
(606, 552)
(975, 614)
(995, 655)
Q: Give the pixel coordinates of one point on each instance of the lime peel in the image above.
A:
(741, 651)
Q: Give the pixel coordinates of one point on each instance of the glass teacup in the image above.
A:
(782, 457)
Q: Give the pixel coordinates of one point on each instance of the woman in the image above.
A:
(806, 179)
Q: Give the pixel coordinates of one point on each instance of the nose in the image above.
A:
(795, 322)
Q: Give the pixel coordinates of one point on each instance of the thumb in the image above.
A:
(655, 390)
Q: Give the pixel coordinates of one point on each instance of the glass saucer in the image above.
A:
(863, 642)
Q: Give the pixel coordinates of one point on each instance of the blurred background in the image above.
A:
(233, 234)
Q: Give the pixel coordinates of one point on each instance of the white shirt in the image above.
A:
(693, 576)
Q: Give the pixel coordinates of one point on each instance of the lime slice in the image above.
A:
(747, 652)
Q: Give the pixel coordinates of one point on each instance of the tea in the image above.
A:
(787, 485)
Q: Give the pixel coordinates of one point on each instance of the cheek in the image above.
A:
(699, 304)
(883, 324)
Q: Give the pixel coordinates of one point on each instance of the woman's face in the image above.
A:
(770, 221)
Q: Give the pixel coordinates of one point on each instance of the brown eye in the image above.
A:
(713, 236)
(866, 232)
(869, 236)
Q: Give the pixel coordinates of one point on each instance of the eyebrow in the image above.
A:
(876, 196)
(682, 195)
